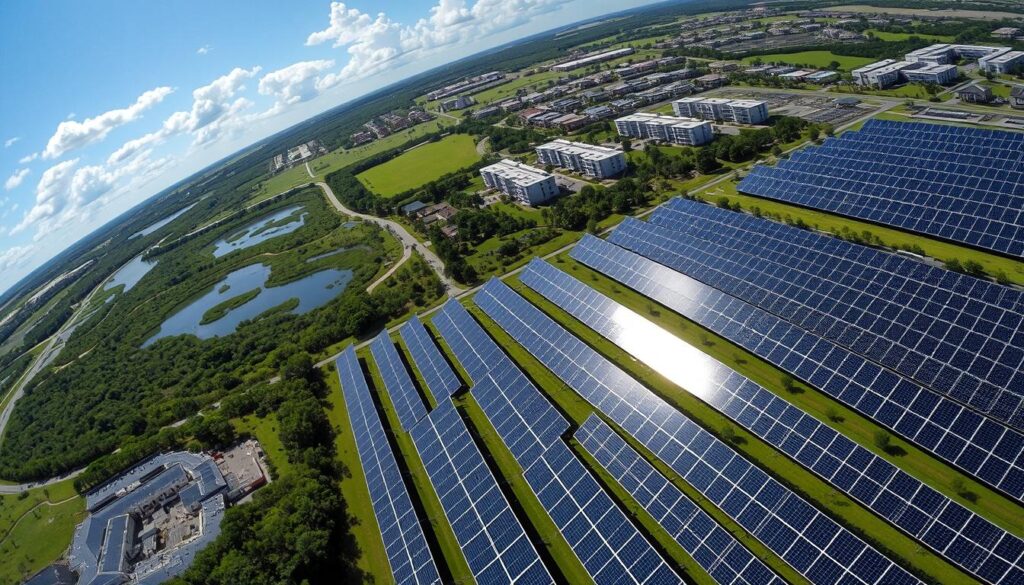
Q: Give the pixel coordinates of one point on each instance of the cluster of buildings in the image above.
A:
(457, 103)
(476, 83)
(146, 526)
(790, 73)
(296, 155)
(388, 124)
(592, 59)
(937, 64)
(438, 213)
(722, 110)
(673, 129)
(1008, 33)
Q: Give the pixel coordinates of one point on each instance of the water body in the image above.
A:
(313, 291)
(145, 232)
(312, 259)
(130, 274)
(258, 231)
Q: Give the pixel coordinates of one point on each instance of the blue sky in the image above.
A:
(104, 103)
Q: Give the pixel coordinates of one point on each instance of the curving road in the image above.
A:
(399, 231)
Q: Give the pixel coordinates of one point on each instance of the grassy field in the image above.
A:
(890, 237)
(36, 529)
(264, 430)
(421, 165)
(891, 36)
(538, 81)
(819, 59)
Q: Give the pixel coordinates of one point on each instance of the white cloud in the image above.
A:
(28, 158)
(71, 134)
(298, 82)
(204, 50)
(51, 194)
(11, 141)
(14, 181)
(376, 43)
(15, 257)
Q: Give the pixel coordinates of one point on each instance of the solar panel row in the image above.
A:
(611, 549)
(714, 549)
(407, 401)
(959, 335)
(809, 541)
(964, 538)
(492, 539)
(438, 375)
(980, 205)
(979, 446)
(404, 541)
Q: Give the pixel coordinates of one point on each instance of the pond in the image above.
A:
(148, 230)
(130, 274)
(279, 223)
(312, 291)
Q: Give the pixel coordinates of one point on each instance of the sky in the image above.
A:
(105, 103)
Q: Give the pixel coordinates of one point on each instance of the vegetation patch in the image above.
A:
(420, 165)
(221, 309)
(817, 59)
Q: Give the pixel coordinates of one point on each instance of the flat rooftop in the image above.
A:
(587, 151)
(676, 121)
(517, 172)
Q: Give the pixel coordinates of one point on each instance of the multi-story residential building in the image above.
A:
(522, 182)
(594, 161)
(723, 110)
(665, 128)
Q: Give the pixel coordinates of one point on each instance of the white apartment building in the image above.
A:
(991, 59)
(594, 161)
(522, 182)
(723, 110)
(931, 73)
(1002, 62)
(673, 129)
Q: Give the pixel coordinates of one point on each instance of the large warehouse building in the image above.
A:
(522, 182)
(600, 162)
(673, 129)
(722, 110)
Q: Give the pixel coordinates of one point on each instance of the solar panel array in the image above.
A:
(438, 375)
(957, 334)
(714, 549)
(408, 403)
(813, 544)
(404, 542)
(981, 447)
(914, 178)
(611, 549)
(492, 539)
(956, 533)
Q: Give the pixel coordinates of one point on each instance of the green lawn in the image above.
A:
(36, 529)
(818, 59)
(891, 36)
(421, 165)
(538, 81)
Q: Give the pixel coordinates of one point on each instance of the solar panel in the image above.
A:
(809, 541)
(954, 333)
(408, 403)
(438, 375)
(981, 447)
(492, 539)
(896, 176)
(611, 549)
(707, 542)
(980, 548)
(404, 542)
(476, 352)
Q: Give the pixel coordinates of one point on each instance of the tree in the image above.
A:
(833, 65)
(883, 440)
(298, 366)
(627, 144)
(706, 162)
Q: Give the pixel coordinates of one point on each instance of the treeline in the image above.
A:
(595, 203)
(515, 140)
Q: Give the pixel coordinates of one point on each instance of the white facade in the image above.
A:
(665, 128)
(594, 161)
(738, 111)
(991, 59)
(521, 182)
(1002, 62)
(932, 73)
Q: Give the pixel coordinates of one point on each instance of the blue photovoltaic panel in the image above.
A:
(910, 179)
(404, 542)
(491, 537)
(980, 547)
(611, 549)
(714, 549)
(474, 350)
(979, 446)
(407, 401)
(954, 333)
(813, 544)
(438, 375)
(529, 425)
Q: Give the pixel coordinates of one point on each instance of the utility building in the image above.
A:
(524, 183)
(594, 161)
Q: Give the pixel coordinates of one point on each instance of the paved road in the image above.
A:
(399, 231)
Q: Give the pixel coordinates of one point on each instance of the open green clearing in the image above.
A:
(420, 165)
(36, 529)
(894, 36)
(537, 81)
(819, 59)
(265, 430)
